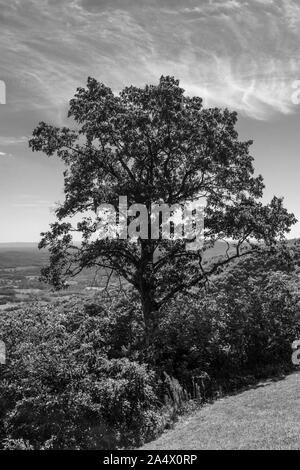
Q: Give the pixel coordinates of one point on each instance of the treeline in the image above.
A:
(80, 377)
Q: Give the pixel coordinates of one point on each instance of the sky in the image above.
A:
(243, 55)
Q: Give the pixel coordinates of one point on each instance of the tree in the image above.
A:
(153, 144)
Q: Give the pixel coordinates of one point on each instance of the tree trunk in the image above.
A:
(147, 291)
(150, 313)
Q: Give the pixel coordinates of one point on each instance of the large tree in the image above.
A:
(153, 144)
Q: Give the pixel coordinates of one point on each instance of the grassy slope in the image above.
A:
(264, 417)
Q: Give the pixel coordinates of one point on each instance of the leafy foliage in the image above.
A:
(79, 376)
(76, 375)
(61, 390)
(153, 144)
(246, 322)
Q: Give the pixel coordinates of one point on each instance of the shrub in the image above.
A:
(61, 390)
(77, 375)
(245, 324)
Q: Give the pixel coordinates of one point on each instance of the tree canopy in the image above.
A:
(153, 144)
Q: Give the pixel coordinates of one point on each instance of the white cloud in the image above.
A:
(4, 140)
(238, 54)
(35, 204)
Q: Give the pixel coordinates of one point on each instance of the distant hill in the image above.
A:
(22, 255)
(18, 245)
(28, 254)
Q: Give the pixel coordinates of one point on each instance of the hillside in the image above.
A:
(264, 417)
(22, 255)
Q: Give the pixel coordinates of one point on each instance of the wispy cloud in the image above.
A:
(6, 155)
(234, 53)
(34, 204)
(4, 140)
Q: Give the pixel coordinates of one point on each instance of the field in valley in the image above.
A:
(20, 268)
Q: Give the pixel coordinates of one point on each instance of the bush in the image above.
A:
(61, 390)
(243, 325)
(77, 378)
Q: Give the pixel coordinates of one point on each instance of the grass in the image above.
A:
(266, 416)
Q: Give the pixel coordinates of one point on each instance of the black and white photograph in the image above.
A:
(149, 234)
